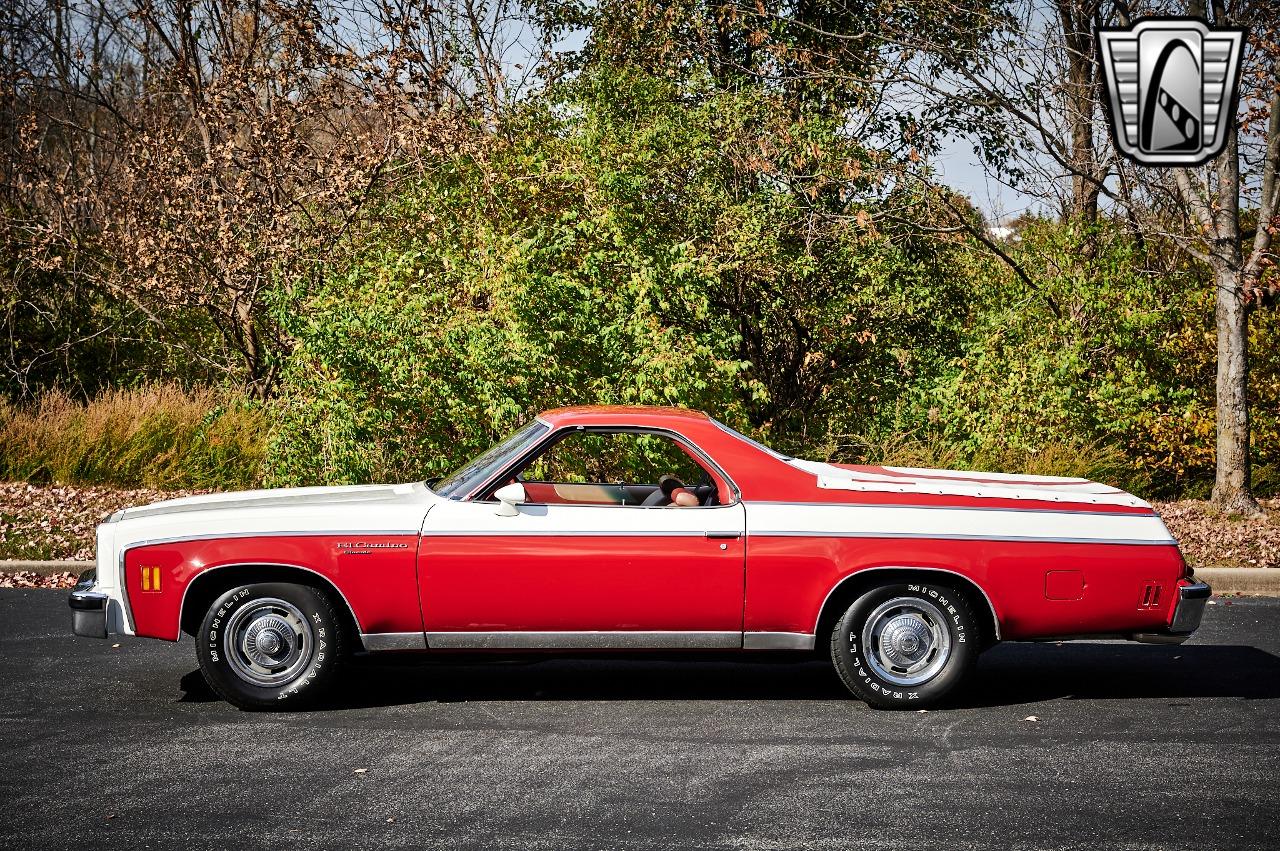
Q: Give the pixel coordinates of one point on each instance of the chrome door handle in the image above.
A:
(723, 534)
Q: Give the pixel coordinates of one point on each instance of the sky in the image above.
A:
(958, 167)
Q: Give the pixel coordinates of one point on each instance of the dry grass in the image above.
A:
(160, 436)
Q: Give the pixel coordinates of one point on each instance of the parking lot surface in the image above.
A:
(1105, 745)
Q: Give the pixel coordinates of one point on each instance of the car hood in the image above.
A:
(362, 496)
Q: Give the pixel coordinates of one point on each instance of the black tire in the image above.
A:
(273, 645)
(924, 641)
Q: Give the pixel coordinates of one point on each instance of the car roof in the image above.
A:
(619, 415)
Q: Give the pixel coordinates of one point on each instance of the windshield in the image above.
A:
(480, 469)
(757, 444)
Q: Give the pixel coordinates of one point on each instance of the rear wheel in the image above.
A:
(272, 645)
(905, 645)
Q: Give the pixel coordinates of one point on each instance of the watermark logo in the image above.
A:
(1172, 86)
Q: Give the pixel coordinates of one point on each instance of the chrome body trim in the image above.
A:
(995, 618)
(777, 641)
(86, 599)
(567, 533)
(528, 454)
(920, 507)
(309, 533)
(185, 591)
(130, 626)
(585, 640)
(376, 642)
(631, 533)
(213, 536)
(751, 441)
(1028, 539)
(557, 434)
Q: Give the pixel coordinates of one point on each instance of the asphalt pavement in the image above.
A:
(1079, 745)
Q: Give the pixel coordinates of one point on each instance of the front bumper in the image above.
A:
(1186, 616)
(88, 607)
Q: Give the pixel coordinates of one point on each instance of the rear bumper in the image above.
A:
(88, 607)
(1186, 616)
(1190, 609)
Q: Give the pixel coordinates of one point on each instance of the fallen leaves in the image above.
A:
(1211, 539)
(56, 523)
(30, 579)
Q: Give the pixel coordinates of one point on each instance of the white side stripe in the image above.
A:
(884, 521)
(1033, 539)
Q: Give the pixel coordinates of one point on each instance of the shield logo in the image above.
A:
(1172, 85)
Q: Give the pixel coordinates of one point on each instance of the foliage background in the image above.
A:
(378, 278)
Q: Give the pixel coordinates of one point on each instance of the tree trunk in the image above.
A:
(1232, 483)
(1232, 486)
(1076, 18)
(246, 333)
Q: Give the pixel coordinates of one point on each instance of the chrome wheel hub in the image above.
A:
(268, 642)
(906, 641)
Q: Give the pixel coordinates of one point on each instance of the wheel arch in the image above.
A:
(844, 592)
(207, 585)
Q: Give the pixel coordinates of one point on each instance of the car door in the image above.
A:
(580, 574)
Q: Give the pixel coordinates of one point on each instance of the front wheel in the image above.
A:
(272, 645)
(905, 645)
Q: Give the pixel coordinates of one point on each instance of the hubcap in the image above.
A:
(906, 641)
(268, 642)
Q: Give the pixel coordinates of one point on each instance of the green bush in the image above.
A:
(1117, 373)
(415, 360)
(636, 242)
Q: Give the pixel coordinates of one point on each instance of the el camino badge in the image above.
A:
(364, 548)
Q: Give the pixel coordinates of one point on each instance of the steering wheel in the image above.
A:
(667, 485)
(706, 482)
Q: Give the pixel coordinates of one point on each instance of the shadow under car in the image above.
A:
(1009, 674)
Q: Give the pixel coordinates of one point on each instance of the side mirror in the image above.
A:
(509, 496)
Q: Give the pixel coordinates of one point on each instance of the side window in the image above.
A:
(617, 468)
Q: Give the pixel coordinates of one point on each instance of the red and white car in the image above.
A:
(640, 529)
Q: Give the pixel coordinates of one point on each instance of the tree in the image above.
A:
(203, 157)
(1212, 224)
(1051, 126)
(811, 181)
